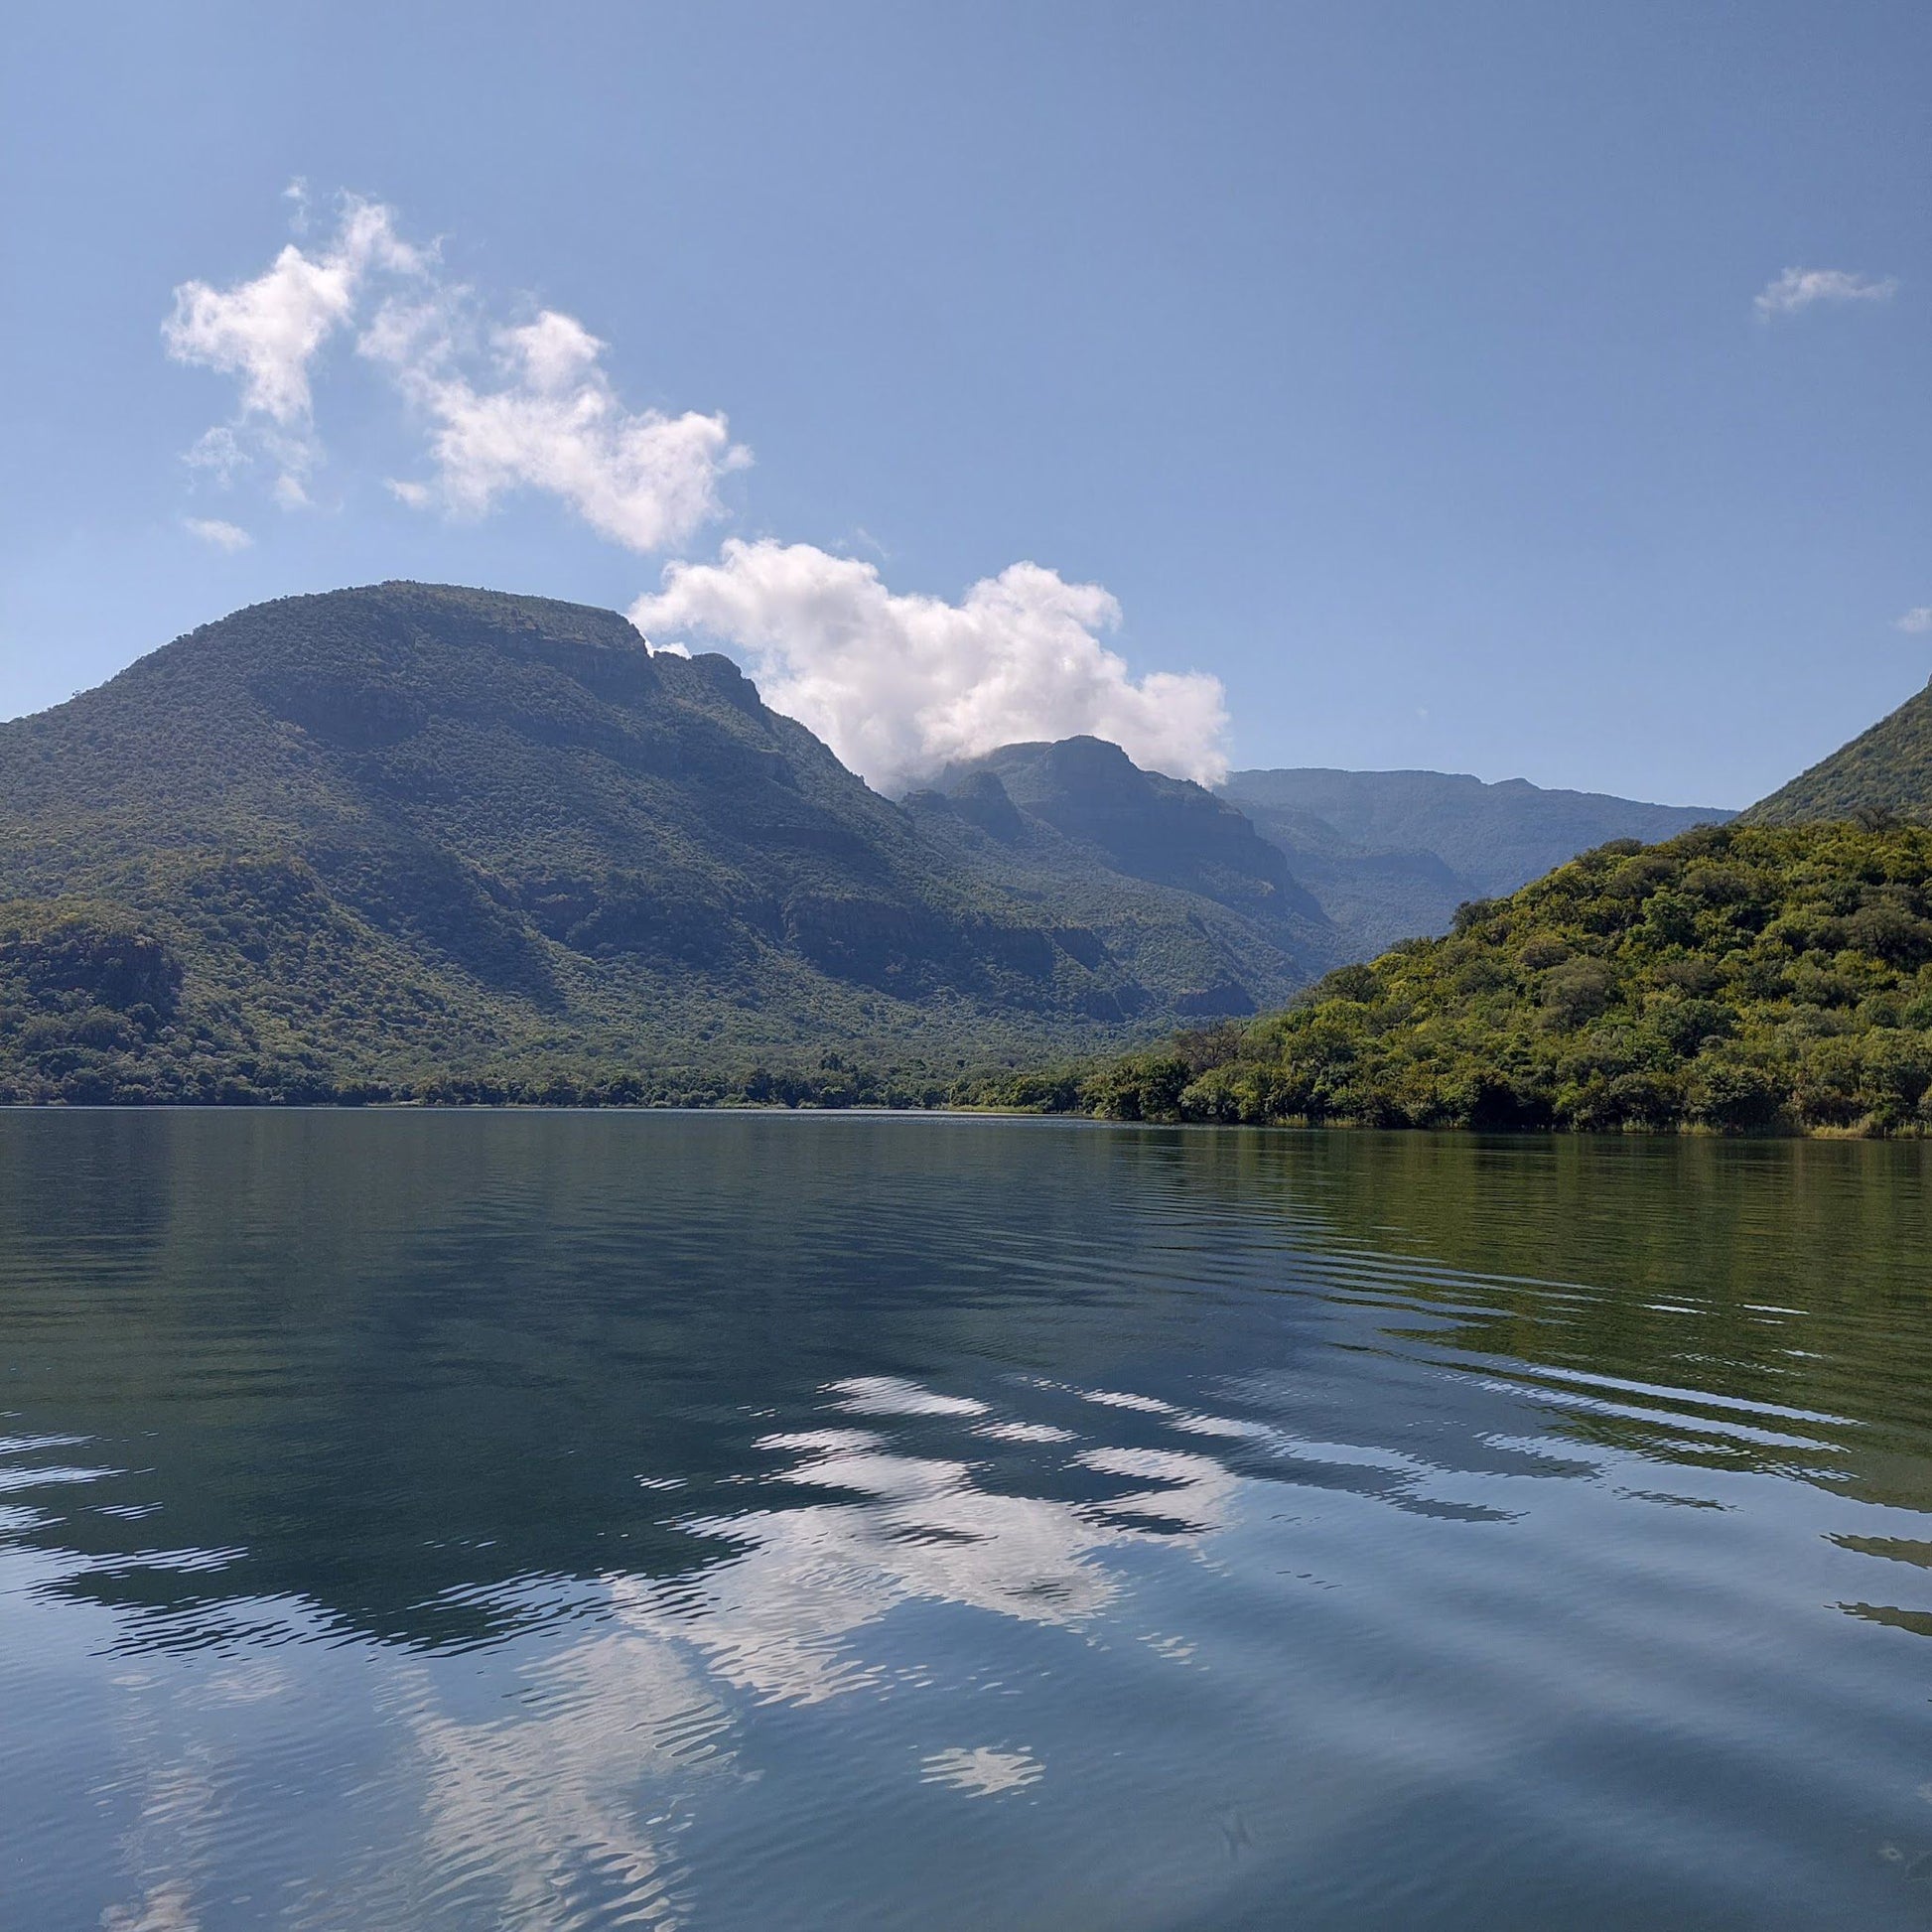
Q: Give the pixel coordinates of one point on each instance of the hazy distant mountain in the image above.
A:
(407, 834)
(1168, 831)
(1390, 855)
(1081, 811)
(1886, 768)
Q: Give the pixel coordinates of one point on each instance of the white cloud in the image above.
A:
(547, 418)
(1799, 288)
(507, 406)
(211, 529)
(898, 684)
(1916, 621)
(266, 332)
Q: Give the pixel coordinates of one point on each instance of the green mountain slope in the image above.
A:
(1735, 978)
(1390, 855)
(411, 839)
(1887, 770)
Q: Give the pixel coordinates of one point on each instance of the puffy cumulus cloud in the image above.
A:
(1917, 622)
(212, 531)
(504, 405)
(898, 684)
(266, 332)
(1800, 288)
(547, 418)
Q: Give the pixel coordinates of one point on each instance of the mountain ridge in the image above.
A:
(404, 834)
(1390, 855)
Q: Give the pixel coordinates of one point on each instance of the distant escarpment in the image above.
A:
(1391, 855)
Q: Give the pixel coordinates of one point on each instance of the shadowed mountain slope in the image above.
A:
(410, 835)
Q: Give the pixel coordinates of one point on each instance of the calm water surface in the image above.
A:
(770, 1523)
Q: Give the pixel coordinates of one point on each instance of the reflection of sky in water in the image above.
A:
(1346, 1600)
(560, 1780)
(590, 1756)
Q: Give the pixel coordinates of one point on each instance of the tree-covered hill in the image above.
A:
(1736, 978)
(417, 840)
(1887, 769)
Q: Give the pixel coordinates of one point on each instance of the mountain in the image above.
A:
(1769, 973)
(413, 839)
(1887, 769)
(1740, 977)
(1390, 855)
(1081, 806)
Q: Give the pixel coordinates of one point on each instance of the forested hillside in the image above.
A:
(411, 840)
(1737, 978)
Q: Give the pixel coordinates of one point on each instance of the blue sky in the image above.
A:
(1384, 385)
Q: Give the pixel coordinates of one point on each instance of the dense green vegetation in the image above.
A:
(93, 1012)
(1741, 978)
(414, 842)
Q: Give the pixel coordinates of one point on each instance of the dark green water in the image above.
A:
(770, 1523)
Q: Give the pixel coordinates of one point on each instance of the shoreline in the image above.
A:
(1685, 1131)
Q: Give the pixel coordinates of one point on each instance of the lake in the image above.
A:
(769, 1522)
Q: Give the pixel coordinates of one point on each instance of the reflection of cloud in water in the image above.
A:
(1233, 1428)
(982, 1772)
(1197, 1492)
(559, 1801)
(776, 1620)
(550, 1792)
(168, 1907)
(546, 1802)
(1145, 1405)
(888, 1395)
(1024, 1431)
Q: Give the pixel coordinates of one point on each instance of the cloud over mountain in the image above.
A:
(544, 415)
(511, 401)
(267, 332)
(899, 683)
(504, 406)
